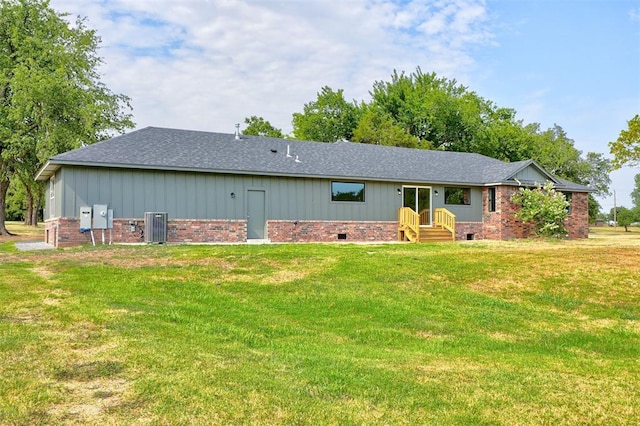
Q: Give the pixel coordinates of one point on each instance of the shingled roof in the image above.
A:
(185, 150)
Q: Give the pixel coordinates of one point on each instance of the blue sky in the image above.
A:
(208, 64)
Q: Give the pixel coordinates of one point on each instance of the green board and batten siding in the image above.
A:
(187, 195)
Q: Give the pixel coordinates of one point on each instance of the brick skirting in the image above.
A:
(290, 231)
(469, 231)
(65, 232)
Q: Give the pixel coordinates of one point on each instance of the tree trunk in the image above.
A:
(4, 187)
(29, 213)
(37, 205)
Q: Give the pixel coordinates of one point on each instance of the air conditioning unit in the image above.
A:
(155, 227)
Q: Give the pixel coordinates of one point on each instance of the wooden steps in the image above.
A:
(435, 234)
(409, 228)
(427, 235)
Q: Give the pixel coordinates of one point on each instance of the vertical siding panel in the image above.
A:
(146, 195)
(209, 195)
(181, 196)
(227, 207)
(170, 194)
(63, 197)
(189, 196)
(201, 196)
(312, 198)
(116, 194)
(158, 188)
(93, 188)
(139, 196)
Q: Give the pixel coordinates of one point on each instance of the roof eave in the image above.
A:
(52, 166)
(46, 171)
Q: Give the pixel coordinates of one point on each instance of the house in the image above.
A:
(230, 188)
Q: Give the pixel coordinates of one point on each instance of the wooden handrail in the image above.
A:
(410, 219)
(446, 219)
(424, 217)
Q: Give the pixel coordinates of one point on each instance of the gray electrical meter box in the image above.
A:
(110, 219)
(100, 214)
(85, 218)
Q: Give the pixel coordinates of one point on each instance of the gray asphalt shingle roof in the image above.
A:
(173, 149)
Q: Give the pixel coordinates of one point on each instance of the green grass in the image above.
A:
(469, 333)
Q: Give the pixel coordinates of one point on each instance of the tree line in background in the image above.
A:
(422, 110)
(52, 101)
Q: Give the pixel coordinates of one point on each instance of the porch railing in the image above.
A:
(409, 220)
(446, 219)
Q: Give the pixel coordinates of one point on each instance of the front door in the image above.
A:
(256, 214)
(419, 199)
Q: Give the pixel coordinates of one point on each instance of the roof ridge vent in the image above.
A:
(237, 134)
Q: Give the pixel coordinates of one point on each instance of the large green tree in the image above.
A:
(626, 149)
(376, 127)
(635, 194)
(51, 96)
(258, 126)
(329, 118)
(439, 112)
(626, 217)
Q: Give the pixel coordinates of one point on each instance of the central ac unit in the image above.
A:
(155, 227)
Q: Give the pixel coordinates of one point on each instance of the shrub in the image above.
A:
(543, 206)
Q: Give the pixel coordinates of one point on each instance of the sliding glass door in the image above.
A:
(419, 199)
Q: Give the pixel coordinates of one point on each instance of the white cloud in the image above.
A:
(208, 64)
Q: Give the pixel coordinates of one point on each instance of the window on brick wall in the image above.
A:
(491, 199)
(569, 197)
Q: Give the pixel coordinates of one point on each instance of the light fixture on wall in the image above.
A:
(399, 191)
(233, 195)
(435, 192)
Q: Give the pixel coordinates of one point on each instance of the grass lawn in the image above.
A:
(524, 332)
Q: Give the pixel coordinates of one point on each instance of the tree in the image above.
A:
(635, 194)
(329, 118)
(626, 149)
(378, 128)
(598, 173)
(626, 217)
(544, 207)
(437, 111)
(51, 97)
(258, 126)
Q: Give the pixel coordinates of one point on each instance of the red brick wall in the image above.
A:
(65, 232)
(207, 231)
(577, 222)
(464, 228)
(502, 224)
(498, 225)
(327, 231)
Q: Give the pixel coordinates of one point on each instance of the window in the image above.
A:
(347, 191)
(52, 188)
(569, 197)
(491, 199)
(457, 196)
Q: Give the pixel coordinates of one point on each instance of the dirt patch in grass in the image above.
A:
(89, 401)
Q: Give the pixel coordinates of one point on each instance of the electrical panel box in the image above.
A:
(110, 219)
(85, 218)
(100, 216)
